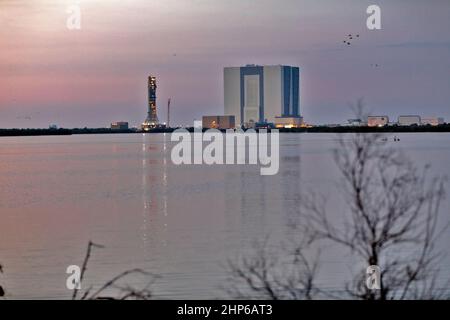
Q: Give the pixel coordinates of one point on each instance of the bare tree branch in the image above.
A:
(84, 267)
(125, 291)
(264, 274)
(391, 221)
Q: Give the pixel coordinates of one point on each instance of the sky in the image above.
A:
(98, 74)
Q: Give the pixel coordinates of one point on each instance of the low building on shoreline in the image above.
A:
(218, 122)
(410, 120)
(119, 125)
(432, 121)
(288, 122)
(377, 121)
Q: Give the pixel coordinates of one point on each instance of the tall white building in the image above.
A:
(261, 93)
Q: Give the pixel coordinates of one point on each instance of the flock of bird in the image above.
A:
(348, 41)
(350, 37)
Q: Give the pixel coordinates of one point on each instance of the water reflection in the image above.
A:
(182, 222)
(154, 191)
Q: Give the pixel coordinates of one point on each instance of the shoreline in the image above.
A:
(319, 129)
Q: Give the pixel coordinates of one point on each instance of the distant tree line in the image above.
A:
(34, 132)
(366, 129)
(317, 129)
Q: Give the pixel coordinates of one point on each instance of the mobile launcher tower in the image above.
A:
(152, 121)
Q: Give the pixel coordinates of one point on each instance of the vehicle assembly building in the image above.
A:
(261, 94)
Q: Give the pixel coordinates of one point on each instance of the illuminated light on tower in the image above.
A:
(152, 119)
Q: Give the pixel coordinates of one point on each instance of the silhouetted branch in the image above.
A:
(264, 274)
(129, 292)
(84, 267)
(126, 292)
(391, 221)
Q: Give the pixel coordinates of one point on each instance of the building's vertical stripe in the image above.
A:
(261, 94)
(296, 91)
(287, 90)
(291, 98)
(253, 70)
(242, 94)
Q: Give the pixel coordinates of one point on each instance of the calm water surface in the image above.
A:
(181, 222)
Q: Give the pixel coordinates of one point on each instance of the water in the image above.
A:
(180, 222)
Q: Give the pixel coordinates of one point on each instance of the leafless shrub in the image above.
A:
(391, 220)
(124, 292)
(266, 274)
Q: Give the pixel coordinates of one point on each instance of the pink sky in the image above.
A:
(96, 75)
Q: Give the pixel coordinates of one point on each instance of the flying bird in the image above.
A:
(350, 37)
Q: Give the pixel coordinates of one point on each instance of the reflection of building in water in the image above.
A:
(290, 175)
(254, 203)
(165, 187)
(245, 202)
(154, 192)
